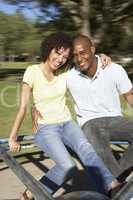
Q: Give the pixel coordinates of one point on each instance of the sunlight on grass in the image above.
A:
(9, 103)
(10, 96)
(127, 110)
(14, 65)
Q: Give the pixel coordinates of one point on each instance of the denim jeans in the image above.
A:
(53, 140)
(100, 131)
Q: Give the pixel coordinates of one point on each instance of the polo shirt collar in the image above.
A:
(99, 68)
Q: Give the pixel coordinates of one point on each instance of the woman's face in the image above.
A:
(58, 58)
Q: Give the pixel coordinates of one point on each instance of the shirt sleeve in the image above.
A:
(124, 84)
(29, 76)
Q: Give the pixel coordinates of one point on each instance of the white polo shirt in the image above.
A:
(98, 96)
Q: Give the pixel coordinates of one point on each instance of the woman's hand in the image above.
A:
(14, 145)
(106, 60)
(35, 116)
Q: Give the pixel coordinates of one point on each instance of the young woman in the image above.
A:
(56, 128)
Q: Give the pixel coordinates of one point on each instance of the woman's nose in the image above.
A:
(60, 58)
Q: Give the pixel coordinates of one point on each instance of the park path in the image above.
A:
(11, 187)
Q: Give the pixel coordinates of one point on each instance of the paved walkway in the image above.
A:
(11, 187)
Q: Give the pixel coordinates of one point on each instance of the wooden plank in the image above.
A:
(27, 179)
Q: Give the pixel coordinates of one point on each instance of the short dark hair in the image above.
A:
(55, 40)
(81, 37)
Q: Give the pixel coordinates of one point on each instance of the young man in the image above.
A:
(96, 94)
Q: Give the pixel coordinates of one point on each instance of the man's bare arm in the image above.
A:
(129, 97)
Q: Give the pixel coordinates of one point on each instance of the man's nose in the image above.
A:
(79, 58)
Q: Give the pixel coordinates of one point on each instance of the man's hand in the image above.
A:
(35, 115)
(106, 60)
(14, 145)
(129, 97)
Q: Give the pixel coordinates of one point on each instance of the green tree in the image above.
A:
(17, 35)
(108, 21)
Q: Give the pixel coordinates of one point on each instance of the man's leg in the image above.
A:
(98, 135)
(122, 129)
(74, 138)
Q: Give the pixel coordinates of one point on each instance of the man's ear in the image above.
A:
(93, 49)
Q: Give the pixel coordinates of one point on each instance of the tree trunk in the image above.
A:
(85, 12)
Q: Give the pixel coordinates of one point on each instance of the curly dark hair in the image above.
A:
(55, 41)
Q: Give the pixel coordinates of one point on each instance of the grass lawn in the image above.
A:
(9, 101)
(10, 96)
(14, 65)
(10, 86)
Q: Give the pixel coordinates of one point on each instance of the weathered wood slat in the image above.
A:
(27, 179)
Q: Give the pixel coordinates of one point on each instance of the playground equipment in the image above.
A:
(38, 190)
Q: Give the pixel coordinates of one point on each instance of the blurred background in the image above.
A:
(24, 23)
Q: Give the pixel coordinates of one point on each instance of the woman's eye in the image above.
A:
(58, 53)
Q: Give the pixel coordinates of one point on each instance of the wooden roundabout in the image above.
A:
(39, 192)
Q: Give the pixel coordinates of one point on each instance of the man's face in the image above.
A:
(83, 55)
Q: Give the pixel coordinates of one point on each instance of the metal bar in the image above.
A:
(20, 138)
(37, 189)
(119, 142)
(31, 137)
(24, 146)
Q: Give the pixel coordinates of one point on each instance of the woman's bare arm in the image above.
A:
(25, 95)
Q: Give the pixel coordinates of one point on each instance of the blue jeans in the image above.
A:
(53, 140)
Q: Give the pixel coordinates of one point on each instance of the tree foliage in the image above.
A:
(108, 21)
(17, 35)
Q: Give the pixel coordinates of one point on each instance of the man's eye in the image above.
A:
(75, 55)
(83, 53)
